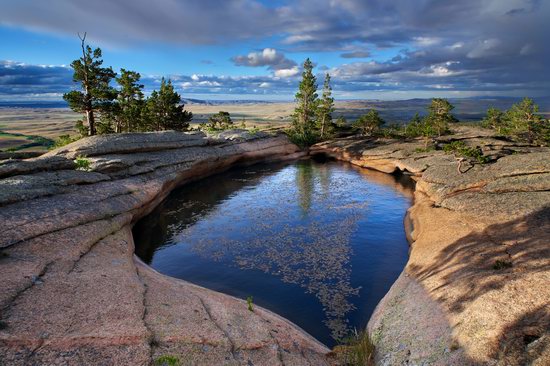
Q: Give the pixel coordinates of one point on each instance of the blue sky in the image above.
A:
(247, 49)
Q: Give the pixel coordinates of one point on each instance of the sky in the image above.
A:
(253, 50)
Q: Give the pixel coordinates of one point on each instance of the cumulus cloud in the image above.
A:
(285, 73)
(493, 45)
(267, 57)
(18, 79)
(24, 81)
(274, 60)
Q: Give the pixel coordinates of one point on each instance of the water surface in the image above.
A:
(319, 243)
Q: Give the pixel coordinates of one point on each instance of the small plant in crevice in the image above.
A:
(254, 130)
(424, 149)
(502, 265)
(356, 350)
(82, 163)
(454, 345)
(167, 360)
(249, 300)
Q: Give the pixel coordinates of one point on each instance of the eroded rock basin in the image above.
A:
(317, 242)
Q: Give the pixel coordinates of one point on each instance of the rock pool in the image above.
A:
(318, 243)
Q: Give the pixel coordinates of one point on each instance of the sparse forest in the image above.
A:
(124, 108)
(522, 122)
(312, 117)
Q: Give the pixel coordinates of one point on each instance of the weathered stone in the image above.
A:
(25, 187)
(72, 291)
(130, 143)
(238, 135)
(10, 168)
(475, 289)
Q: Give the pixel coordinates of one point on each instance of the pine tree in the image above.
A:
(130, 101)
(325, 109)
(303, 119)
(220, 121)
(341, 122)
(524, 120)
(164, 110)
(495, 120)
(370, 122)
(440, 115)
(96, 95)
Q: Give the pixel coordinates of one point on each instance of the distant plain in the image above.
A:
(29, 127)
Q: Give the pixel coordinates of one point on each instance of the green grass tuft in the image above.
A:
(82, 163)
(356, 350)
(249, 300)
(167, 360)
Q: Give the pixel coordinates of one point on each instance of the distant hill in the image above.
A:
(34, 104)
(399, 111)
(224, 102)
(393, 111)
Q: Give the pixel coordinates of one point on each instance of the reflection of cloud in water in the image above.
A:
(296, 227)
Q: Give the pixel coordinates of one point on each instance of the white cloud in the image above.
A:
(267, 57)
(285, 73)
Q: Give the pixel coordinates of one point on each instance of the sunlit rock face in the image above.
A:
(475, 289)
(72, 291)
(315, 234)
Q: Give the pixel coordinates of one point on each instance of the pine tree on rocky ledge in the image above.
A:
(302, 130)
(96, 94)
(325, 109)
(130, 101)
(165, 111)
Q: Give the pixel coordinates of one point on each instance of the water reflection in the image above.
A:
(298, 223)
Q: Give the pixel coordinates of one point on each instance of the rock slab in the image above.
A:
(74, 293)
(476, 288)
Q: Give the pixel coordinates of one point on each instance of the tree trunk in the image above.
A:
(91, 122)
(88, 97)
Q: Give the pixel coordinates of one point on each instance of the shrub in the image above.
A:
(64, 140)
(502, 265)
(341, 122)
(494, 119)
(522, 121)
(369, 122)
(220, 121)
(254, 130)
(82, 163)
(461, 149)
(303, 140)
(394, 131)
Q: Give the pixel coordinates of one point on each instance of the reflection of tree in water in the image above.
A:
(302, 243)
(305, 184)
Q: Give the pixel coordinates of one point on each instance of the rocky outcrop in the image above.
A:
(476, 289)
(73, 292)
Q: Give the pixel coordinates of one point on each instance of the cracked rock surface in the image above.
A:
(72, 290)
(476, 289)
